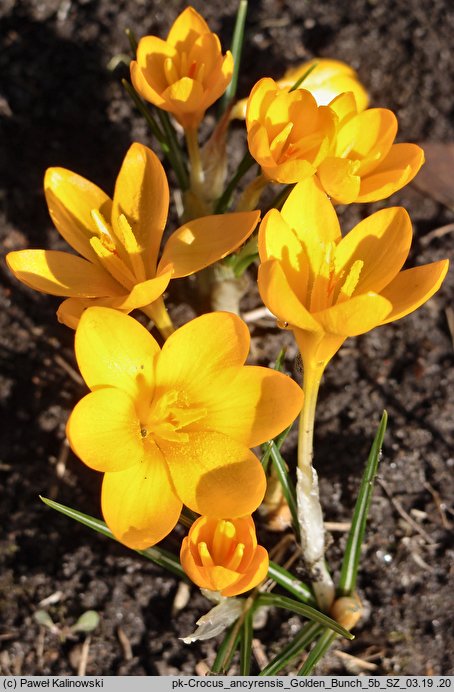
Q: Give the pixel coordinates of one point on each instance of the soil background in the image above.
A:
(62, 104)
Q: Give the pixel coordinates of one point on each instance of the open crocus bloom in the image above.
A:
(289, 135)
(119, 241)
(184, 74)
(364, 164)
(328, 79)
(326, 287)
(222, 555)
(175, 425)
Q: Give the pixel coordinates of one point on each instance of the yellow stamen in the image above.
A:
(222, 541)
(321, 296)
(351, 281)
(110, 260)
(279, 143)
(170, 71)
(204, 554)
(132, 248)
(236, 558)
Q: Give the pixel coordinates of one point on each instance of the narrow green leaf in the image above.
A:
(287, 485)
(225, 199)
(168, 147)
(132, 42)
(177, 153)
(156, 554)
(226, 651)
(304, 76)
(288, 582)
(294, 648)
(349, 571)
(272, 599)
(236, 50)
(246, 644)
(317, 652)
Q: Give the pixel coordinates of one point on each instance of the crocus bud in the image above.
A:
(222, 555)
(186, 73)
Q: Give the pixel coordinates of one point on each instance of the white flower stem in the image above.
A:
(309, 509)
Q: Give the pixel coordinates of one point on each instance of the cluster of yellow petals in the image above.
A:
(222, 555)
(184, 74)
(119, 240)
(326, 287)
(351, 151)
(289, 135)
(174, 426)
(364, 164)
(326, 80)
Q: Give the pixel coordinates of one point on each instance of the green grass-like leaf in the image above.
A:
(225, 199)
(291, 584)
(317, 652)
(294, 648)
(156, 554)
(272, 452)
(349, 571)
(303, 77)
(271, 599)
(226, 651)
(246, 634)
(236, 50)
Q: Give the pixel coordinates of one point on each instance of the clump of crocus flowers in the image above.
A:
(171, 421)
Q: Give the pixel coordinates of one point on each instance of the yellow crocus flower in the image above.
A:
(184, 74)
(326, 287)
(289, 135)
(222, 555)
(328, 79)
(174, 425)
(364, 164)
(119, 241)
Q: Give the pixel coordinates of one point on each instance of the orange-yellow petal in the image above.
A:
(339, 179)
(413, 287)
(310, 213)
(185, 30)
(201, 350)
(104, 431)
(254, 406)
(113, 349)
(280, 298)
(204, 241)
(61, 274)
(355, 316)
(256, 573)
(139, 504)
(397, 169)
(215, 475)
(382, 242)
(142, 195)
(143, 293)
(70, 199)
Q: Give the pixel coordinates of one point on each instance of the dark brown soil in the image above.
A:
(60, 104)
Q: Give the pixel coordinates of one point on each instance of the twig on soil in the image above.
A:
(258, 314)
(68, 369)
(259, 653)
(337, 526)
(440, 505)
(437, 233)
(125, 644)
(82, 669)
(398, 507)
(355, 664)
(449, 312)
